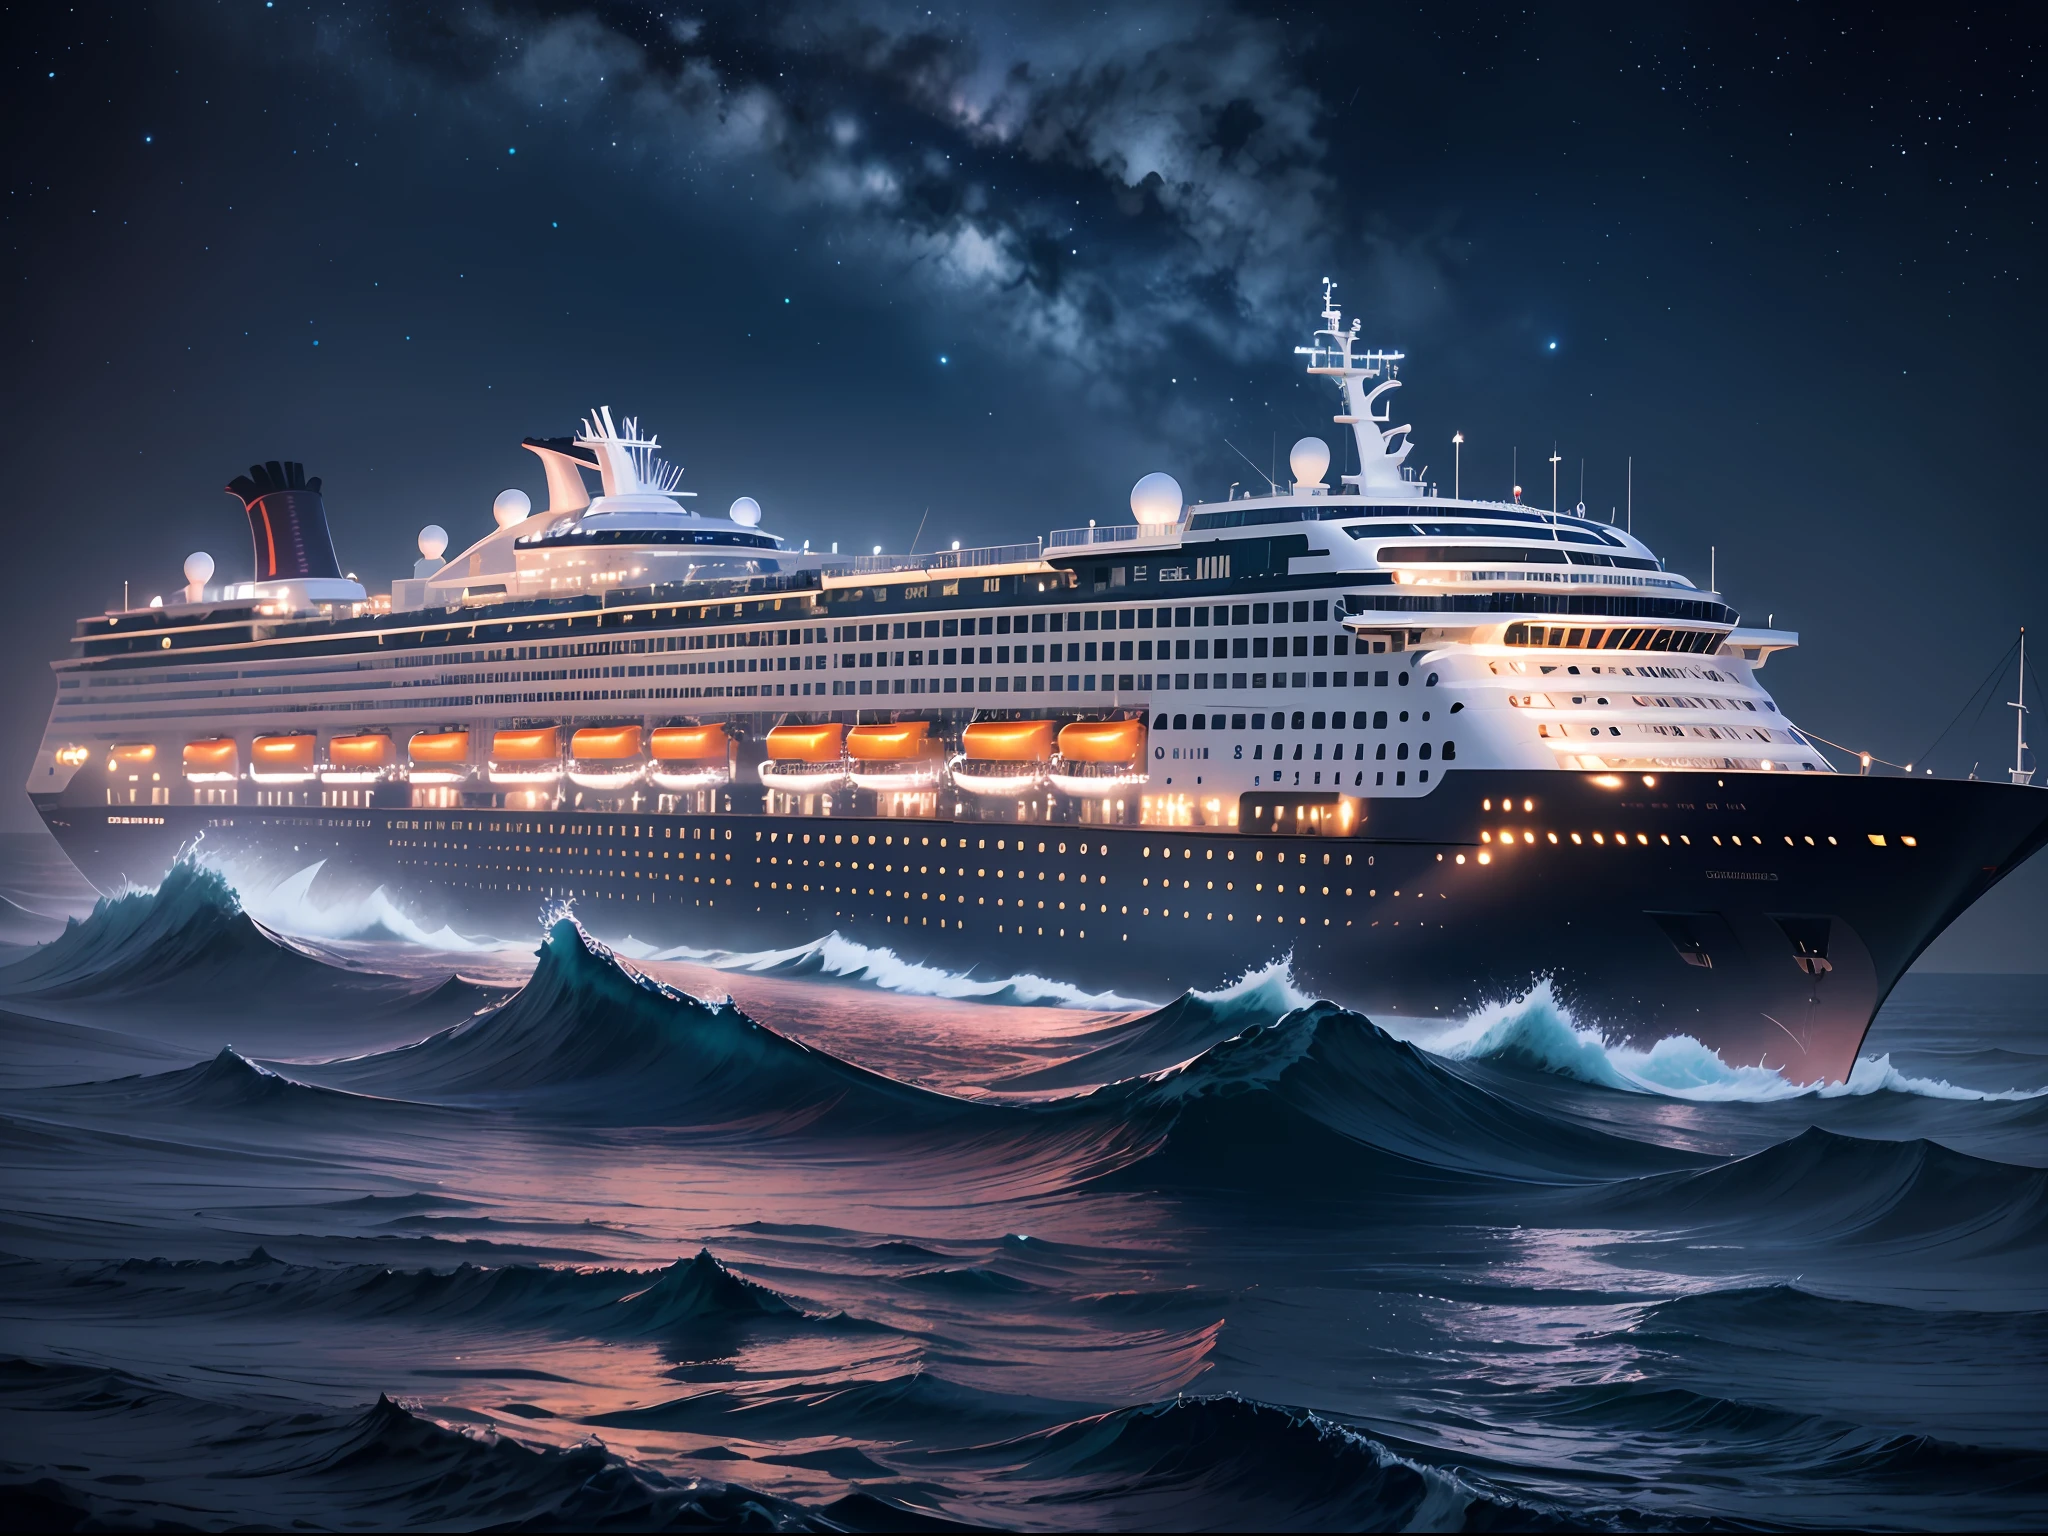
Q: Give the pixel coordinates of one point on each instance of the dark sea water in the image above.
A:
(369, 1228)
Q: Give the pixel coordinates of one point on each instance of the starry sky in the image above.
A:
(927, 272)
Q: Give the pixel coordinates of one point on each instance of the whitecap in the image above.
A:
(1537, 1030)
(842, 959)
(289, 907)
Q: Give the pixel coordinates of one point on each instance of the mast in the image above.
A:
(1382, 447)
(2021, 773)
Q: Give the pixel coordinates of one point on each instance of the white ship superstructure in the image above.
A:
(1347, 639)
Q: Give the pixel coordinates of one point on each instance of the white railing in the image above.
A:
(951, 559)
(1115, 533)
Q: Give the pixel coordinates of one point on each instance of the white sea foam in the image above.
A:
(289, 907)
(1537, 1030)
(841, 959)
(1267, 991)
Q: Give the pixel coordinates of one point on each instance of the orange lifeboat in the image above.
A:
(372, 749)
(691, 756)
(532, 755)
(1103, 741)
(1099, 756)
(213, 760)
(898, 756)
(806, 743)
(606, 756)
(887, 743)
(361, 758)
(1003, 757)
(439, 757)
(439, 747)
(690, 743)
(1008, 741)
(282, 759)
(135, 753)
(605, 743)
(805, 758)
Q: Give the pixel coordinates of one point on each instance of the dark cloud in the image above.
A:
(1098, 183)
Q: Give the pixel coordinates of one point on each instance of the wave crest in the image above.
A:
(588, 1040)
(1536, 1031)
(1166, 1037)
(836, 958)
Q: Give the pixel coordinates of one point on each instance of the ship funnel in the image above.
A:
(287, 522)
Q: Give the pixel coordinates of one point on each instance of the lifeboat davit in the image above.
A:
(805, 759)
(216, 760)
(606, 757)
(1099, 757)
(530, 755)
(1003, 757)
(366, 757)
(899, 756)
(439, 757)
(690, 756)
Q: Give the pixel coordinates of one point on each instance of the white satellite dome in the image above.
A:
(434, 538)
(198, 568)
(1156, 499)
(1310, 461)
(511, 507)
(745, 511)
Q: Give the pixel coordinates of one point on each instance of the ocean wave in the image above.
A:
(187, 950)
(231, 1085)
(1166, 1037)
(188, 1462)
(836, 958)
(1323, 1103)
(588, 1040)
(190, 930)
(1233, 1463)
(1784, 1450)
(1821, 1187)
(290, 907)
(914, 1405)
(1790, 1319)
(1536, 1031)
(601, 1302)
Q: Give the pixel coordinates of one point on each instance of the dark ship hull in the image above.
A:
(1767, 915)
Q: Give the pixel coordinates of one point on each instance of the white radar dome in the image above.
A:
(1310, 461)
(198, 568)
(434, 540)
(1156, 499)
(510, 507)
(746, 512)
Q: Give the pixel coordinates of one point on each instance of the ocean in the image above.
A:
(313, 1219)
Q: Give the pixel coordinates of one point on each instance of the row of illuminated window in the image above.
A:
(1087, 651)
(1696, 641)
(1507, 836)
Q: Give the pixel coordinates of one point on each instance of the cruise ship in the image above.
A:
(1432, 750)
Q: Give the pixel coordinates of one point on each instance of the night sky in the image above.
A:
(980, 268)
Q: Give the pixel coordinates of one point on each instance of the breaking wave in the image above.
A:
(1536, 1031)
(835, 958)
(586, 1039)
(290, 907)
(1168, 1036)
(186, 936)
